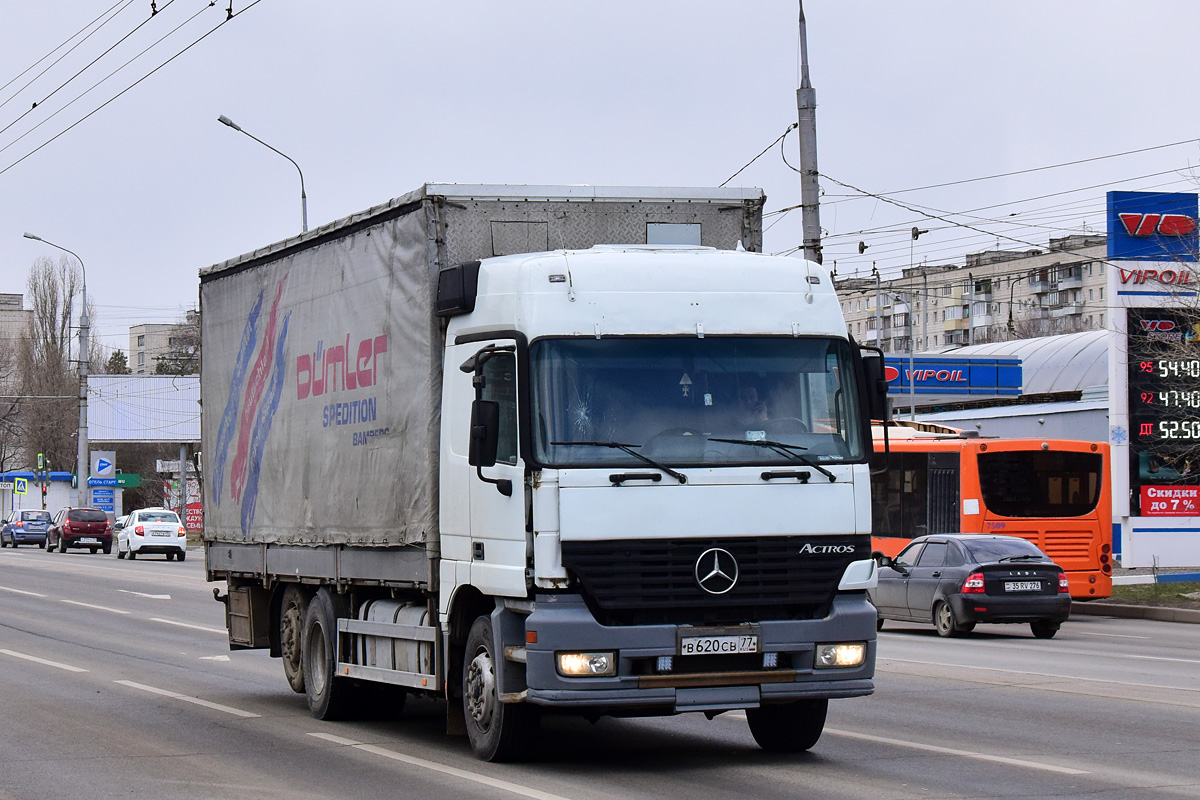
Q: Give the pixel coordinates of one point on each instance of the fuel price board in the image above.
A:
(1164, 411)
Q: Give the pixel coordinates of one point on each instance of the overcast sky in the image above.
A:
(375, 97)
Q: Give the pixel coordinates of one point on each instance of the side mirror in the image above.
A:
(877, 386)
(485, 433)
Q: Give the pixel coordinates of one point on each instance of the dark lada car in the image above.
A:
(80, 527)
(957, 580)
(24, 526)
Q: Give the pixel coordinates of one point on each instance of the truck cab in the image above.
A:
(665, 453)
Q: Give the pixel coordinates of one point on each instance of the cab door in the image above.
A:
(499, 553)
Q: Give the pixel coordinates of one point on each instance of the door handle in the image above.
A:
(937, 573)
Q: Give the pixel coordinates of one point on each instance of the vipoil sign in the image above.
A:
(1153, 226)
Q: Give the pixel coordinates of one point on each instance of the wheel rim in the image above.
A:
(479, 691)
(316, 659)
(290, 636)
(943, 617)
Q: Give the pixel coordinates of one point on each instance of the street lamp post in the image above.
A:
(82, 442)
(224, 120)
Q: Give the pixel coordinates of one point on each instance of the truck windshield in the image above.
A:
(671, 399)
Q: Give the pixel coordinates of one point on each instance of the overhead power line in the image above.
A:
(230, 14)
(55, 50)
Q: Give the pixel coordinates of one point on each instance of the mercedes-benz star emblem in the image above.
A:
(716, 571)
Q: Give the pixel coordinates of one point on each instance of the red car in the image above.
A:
(80, 527)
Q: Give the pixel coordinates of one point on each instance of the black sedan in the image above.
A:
(957, 580)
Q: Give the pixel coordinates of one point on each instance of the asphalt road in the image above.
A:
(116, 682)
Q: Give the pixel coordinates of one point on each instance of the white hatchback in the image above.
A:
(152, 530)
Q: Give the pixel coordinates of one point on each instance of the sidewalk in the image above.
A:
(1123, 576)
(1100, 608)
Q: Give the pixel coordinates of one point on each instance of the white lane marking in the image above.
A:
(1050, 674)
(237, 712)
(21, 591)
(930, 748)
(1164, 658)
(89, 605)
(187, 625)
(1113, 635)
(27, 657)
(329, 737)
(495, 783)
(214, 658)
(143, 594)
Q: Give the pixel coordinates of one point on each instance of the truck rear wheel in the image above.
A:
(291, 633)
(498, 731)
(790, 727)
(329, 696)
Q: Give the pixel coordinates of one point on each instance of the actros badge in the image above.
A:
(716, 571)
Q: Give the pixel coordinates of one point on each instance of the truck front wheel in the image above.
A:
(329, 697)
(498, 731)
(291, 632)
(790, 727)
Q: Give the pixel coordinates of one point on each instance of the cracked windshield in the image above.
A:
(772, 401)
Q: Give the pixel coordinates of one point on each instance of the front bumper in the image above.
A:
(564, 623)
(989, 608)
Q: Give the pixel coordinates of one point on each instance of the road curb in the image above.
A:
(1137, 612)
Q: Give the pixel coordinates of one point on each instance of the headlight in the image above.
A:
(581, 665)
(846, 654)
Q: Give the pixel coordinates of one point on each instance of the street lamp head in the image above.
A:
(224, 120)
(29, 235)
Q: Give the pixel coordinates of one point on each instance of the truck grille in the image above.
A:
(646, 582)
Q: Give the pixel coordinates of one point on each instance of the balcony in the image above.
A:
(1074, 282)
(1066, 310)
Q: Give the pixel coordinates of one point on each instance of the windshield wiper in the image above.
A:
(628, 448)
(783, 449)
(1023, 557)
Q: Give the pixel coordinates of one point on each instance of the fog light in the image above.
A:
(575, 665)
(665, 663)
(847, 654)
(770, 660)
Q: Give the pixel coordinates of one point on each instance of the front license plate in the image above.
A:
(1022, 586)
(88, 540)
(718, 645)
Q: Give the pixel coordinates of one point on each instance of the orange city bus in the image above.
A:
(1053, 492)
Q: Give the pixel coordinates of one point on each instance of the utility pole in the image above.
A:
(878, 308)
(806, 110)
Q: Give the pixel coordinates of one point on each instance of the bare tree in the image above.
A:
(10, 432)
(48, 376)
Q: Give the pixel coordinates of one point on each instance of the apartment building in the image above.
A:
(152, 341)
(996, 295)
(14, 322)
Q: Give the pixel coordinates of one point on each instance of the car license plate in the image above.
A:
(718, 645)
(1022, 586)
(160, 533)
(88, 540)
